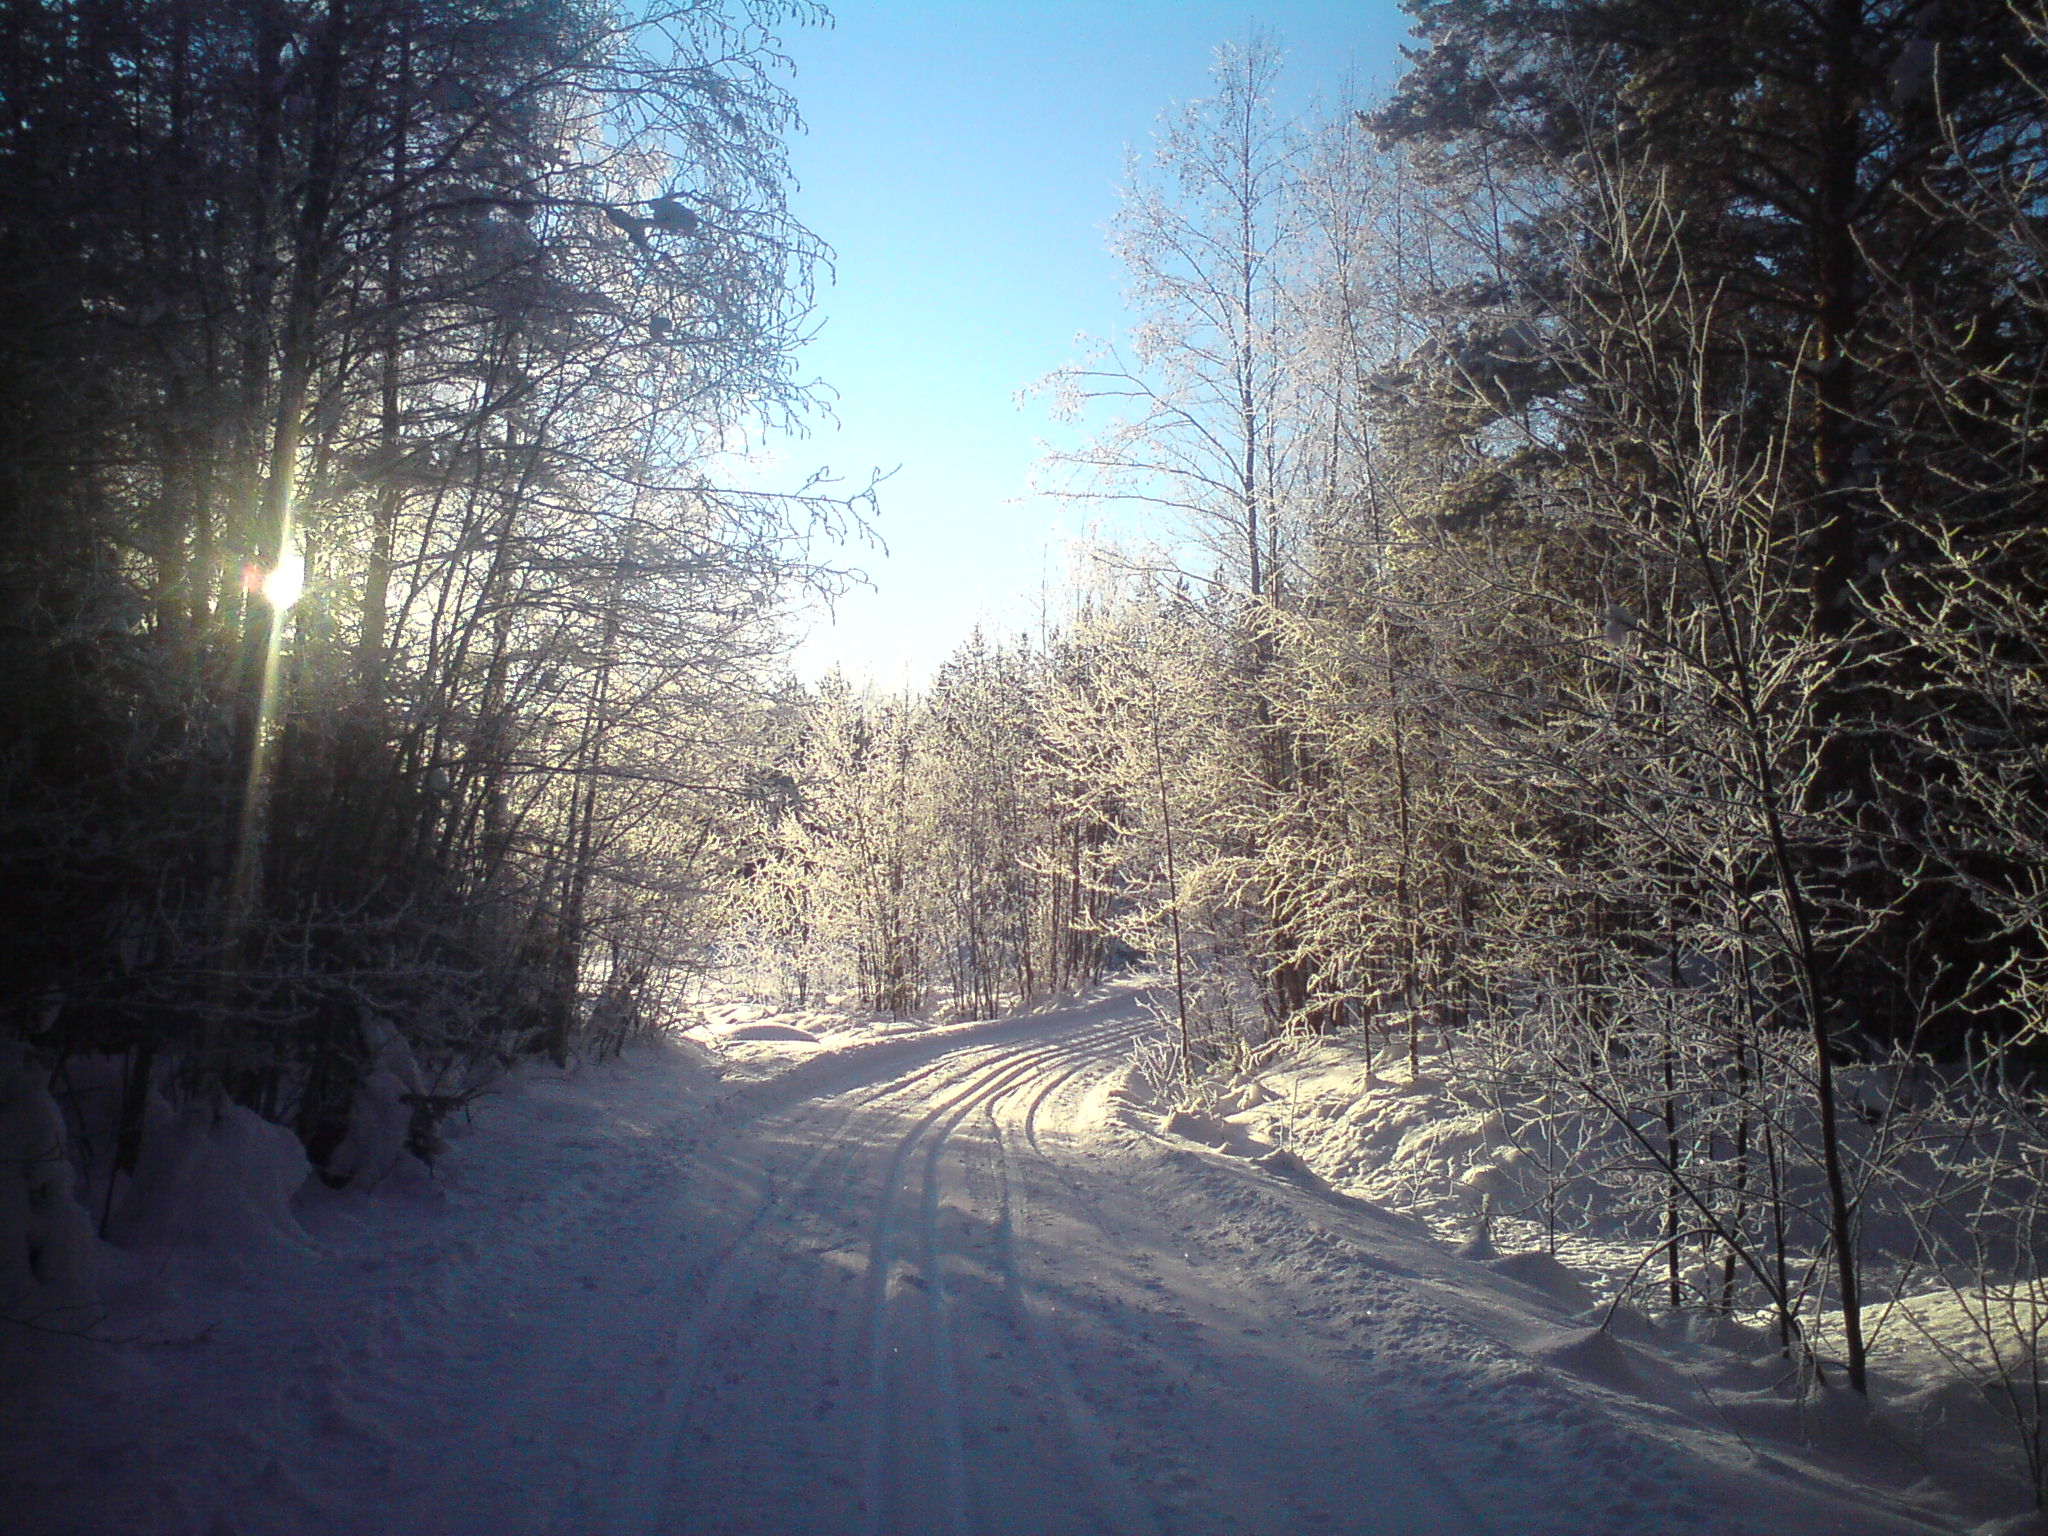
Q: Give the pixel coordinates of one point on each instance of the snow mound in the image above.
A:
(1623, 1321)
(2035, 1524)
(1478, 1247)
(391, 1053)
(1286, 1165)
(1717, 1330)
(1594, 1354)
(216, 1179)
(1443, 1138)
(1235, 1101)
(771, 1032)
(1541, 1272)
(1193, 1125)
(379, 1130)
(1486, 1179)
(46, 1238)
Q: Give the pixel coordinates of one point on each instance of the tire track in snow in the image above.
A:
(945, 1365)
(642, 1489)
(1383, 1433)
(1116, 1500)
(876, 1438)
(1020, 1093)
(1083, 1432)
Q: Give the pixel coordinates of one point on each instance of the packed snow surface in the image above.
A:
(923, 1281)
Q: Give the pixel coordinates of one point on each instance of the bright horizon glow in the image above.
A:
(963, 160)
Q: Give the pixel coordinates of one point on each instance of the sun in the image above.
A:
(285, 582)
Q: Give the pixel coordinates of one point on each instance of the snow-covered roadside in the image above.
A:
(258, 1348)
(1330, 1117)
(240, 1376)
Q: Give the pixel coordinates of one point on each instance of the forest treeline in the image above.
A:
(1598, 615)
(378, 644)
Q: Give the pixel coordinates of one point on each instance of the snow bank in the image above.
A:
(1592, 1353)
(771, 1031)
(724, 1013)
(220, 1178)
(46, 1238)
(1193, 1125)
(1541, 1272)
(282, 1357)
(1473, 1174)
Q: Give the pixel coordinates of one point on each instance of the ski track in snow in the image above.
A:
(937, 1286)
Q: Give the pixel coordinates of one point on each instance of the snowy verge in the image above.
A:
(1327, 1117)
(248, 1323)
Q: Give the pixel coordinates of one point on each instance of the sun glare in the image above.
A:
(283, 586)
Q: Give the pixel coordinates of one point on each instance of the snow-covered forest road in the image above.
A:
(936, 1283)
(952, 1304)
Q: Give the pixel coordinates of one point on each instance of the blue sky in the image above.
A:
(962, 159)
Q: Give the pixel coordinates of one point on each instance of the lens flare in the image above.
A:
(283, 586)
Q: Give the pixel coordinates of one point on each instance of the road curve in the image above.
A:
(937, 1298)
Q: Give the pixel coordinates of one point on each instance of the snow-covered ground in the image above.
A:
(1933, 1441)
(909, 1279)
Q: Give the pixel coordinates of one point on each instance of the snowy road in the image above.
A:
(949, 1307)
(945, 1286)
(937, 1284)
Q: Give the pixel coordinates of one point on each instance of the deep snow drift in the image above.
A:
(799, 1275)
